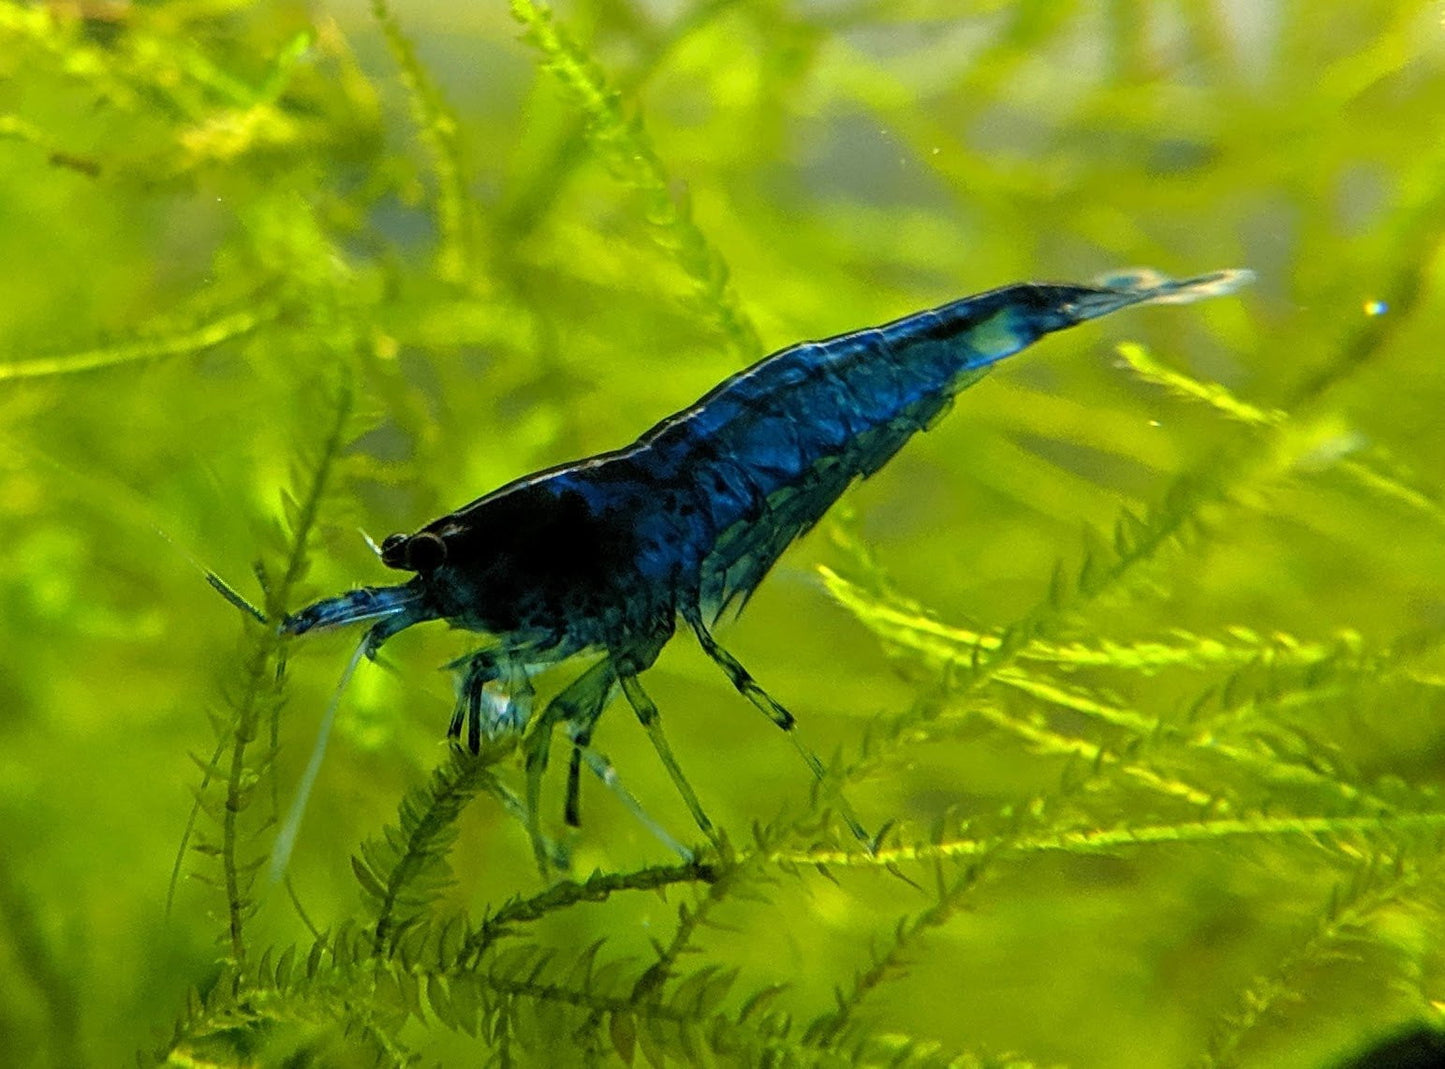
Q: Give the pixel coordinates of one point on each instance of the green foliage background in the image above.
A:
(1136, 657)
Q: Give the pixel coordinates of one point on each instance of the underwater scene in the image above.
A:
(431, 632)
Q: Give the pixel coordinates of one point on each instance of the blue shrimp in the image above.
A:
(603, 555)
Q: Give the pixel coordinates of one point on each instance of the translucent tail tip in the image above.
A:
(1154, 287)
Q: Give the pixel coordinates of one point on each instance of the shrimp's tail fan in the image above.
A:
(401, 606)
(1144, 286)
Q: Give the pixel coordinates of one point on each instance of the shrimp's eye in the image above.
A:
(425, 552)
(393, 551)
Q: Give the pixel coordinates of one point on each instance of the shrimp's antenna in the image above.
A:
(234, 596)
(219, 585)
(371, 543)
(286, 838)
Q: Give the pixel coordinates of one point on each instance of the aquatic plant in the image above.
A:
(1164, 791)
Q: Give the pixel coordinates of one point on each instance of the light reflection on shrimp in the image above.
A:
(603, 555)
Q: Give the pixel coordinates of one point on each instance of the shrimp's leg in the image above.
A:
(481, 669)
(572, 808)
(579, 728)
(580, 706)
(482, 714)
(580, 702)
(468, 711)
(749, 688)
(602, 768)
(647, 713)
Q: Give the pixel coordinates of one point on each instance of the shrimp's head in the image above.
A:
(538, 557)
(393, 608)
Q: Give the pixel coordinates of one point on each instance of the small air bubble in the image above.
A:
(1155, 423)
(1376, 308)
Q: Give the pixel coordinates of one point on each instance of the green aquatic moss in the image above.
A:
(1132, 665)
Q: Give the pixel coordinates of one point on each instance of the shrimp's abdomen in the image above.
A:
(759, 459)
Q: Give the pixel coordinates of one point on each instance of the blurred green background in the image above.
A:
(1159, 790)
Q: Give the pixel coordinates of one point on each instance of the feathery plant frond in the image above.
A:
(1383, 880)
(1325, 665)
(163, 341)
(530, 1002)
(1113, 840)
(436, 124)
(235, 770)
(902, 622)
(565, 893)
(405, 869)
(1371, 468)
(621, 143)
(237, 767)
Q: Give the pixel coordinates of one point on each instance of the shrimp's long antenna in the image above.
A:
(286, 838)
(234, 596)
(219, 585)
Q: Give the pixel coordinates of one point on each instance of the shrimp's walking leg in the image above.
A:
(579, 706)
(647, 713)
(604, 771)
(482, 715)
(582, 699)
(480, 671)
(748, 687)
(579, 728)
(572, 808)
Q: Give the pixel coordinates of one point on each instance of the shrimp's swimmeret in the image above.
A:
(603, 555)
